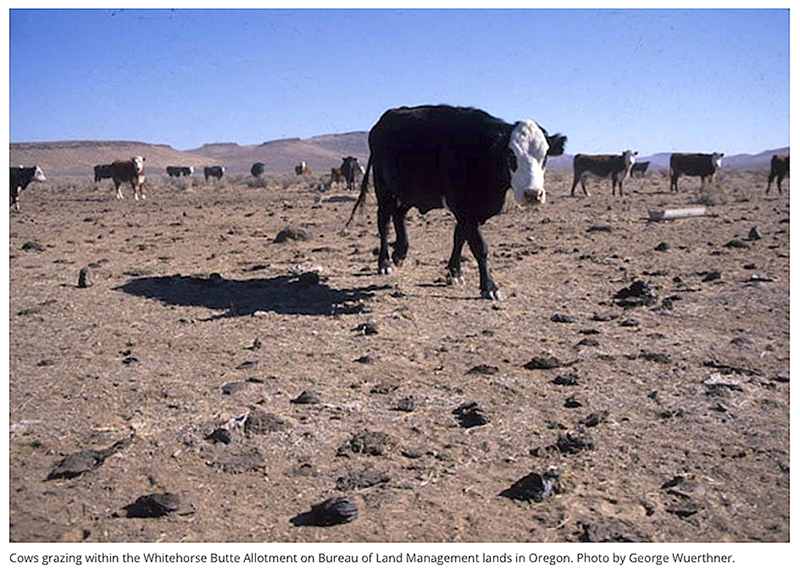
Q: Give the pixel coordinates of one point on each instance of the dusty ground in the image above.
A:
(667, 421)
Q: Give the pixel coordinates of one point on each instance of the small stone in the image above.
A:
(561, 318)
(663, 246)
(754, 234)
(574, 401)
(262, 422)
(366, 442)
(85, 278)
(307, 397)
(566, 380)
(292, 234)
(407, 404)
(331, 512)
(219, 435)
(574, 441)
(534, 487)
(483, 370)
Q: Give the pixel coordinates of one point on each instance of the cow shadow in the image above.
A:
(285, 295)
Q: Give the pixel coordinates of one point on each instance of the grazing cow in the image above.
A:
(257, 170)
(302, 169)
(617, 167)
(779, 167)
(214, 171)
(19, 179)
(639, 167)
(704, 165)
(177, 170)
(350, 169)
(460, 158)
(131, 171)
(336, 175)
(102, 171)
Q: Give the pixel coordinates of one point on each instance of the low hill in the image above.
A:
(77, 158)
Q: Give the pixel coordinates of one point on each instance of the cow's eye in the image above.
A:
(512, 161)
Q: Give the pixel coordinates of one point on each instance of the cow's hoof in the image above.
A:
(456, 279)
(492, 295)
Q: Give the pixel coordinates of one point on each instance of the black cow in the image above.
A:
(257, 170)
(102, 171)
(704, 165)
(179, 170)
(214, 171)
(19, 179)
(640, 167)
(779, 167)
(460, 158)
(350, 170)
(131, 171)
(617, 167)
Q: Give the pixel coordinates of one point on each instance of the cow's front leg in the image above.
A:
(477, 245)
(454, 275)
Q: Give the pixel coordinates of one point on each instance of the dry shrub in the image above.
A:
(713, 194)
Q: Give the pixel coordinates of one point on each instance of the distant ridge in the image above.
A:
(321, 153)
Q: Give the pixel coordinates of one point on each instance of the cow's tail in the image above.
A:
(361, 196)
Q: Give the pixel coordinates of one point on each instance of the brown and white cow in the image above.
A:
(336, 175)
(302, 169)
(704, 165)
(639, 167)
(617, 167)
(779, 167)
(131, 171)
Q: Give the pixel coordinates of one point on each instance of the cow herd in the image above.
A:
(432, 157)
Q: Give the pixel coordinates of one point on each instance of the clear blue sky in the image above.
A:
(652, 80)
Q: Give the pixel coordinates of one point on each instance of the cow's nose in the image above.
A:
(535, 195)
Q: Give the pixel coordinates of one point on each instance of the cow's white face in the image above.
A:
(529, 146)
(630, 159)
(716, 159)
(38, 174)
(138, 161)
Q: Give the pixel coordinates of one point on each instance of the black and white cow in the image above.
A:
(617, 167)
(350, 170)
(214, 171)
(131, 171)
(258, 169)
(460, 158)
(640, 167)
(102, 171)
(19, 179)
(778, 167)
(179, 170)
(704, 165)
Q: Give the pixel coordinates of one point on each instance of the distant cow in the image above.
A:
(131, 171)
(640, 167)
(336, 175)
(102, 171)
(257, 170)
(214, 171)
(350, 169)
(704, 165)
(178, 170)
(779, 167)
(617, 167)
(460, 158)
(302, 169)
(19, 179)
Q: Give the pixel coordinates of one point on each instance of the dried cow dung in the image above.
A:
(84, 461)
(262, 422)
(333, 511)
(366, 442)
(574, 441)
(153, 505)
(470, 415)
(636, 294)
(534, 486)
(543, 363)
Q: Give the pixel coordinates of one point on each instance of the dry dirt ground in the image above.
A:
(663, 417)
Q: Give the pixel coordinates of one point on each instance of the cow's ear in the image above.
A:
(556, 143)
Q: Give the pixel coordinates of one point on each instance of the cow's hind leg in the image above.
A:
(454, 275)
(119, 190)
(384, 265)
(477, 245)
(401, 237)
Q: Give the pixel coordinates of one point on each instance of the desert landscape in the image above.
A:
(213, 363)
